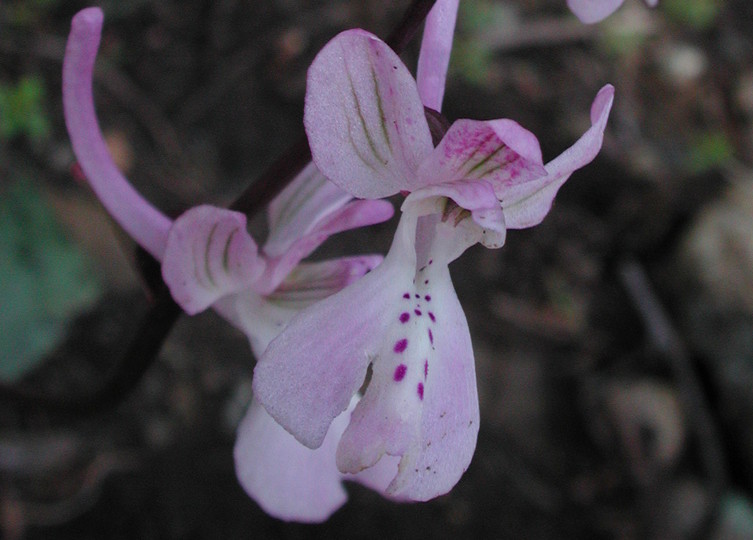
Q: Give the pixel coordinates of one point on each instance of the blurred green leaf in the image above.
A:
(698, 14)
(736, 517)
(29, 12)
(22, 110)
(44, 280)
(472, 57)
(710, 150)
(472, 61)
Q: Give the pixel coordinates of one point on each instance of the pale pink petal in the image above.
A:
(288, 480)
(526, 205)
(592, 11)
(378, 477)
(144, 223)
(262, 318)
(309, 373)
(499, 151)
(450, 420)
(421, 403)
(293, 482)
(311, 282)
(364, 119)
(299, 208)
(351, 216)
(434, 58)
(209, 254)
(476, 197)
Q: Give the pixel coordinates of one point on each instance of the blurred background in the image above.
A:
(614, 342)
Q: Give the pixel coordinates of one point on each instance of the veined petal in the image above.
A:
(476, 197)
(364, 118)
(351, 216)
(434, 58)
(209, 254)
(311, 282)
(421, 403)
(309, 373)
(593, 11)
(526, 205)
(499, 151)
(262, 318)
(299, 208)
(144, 223)
(288, 480)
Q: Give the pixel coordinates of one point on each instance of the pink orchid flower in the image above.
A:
(368, 133)
(209, 259)
(593, 11)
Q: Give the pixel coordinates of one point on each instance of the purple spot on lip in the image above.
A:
(418, 296)
(400, 372)
(404, 317)
(432, 317)
(426, 282)
(420, 390)
(431, 337)
(426, 369)
(431, 261)
(417, 312)
(406, 295)
(427, 298)
(401, 345)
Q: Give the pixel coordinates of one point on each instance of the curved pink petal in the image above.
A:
(262, 318)
(288, 480)
(309, 373)
(474, 196)
(209, 254)
(364, 118)
(351, 216)
(526, 205)
(499, 151)
(299, 208)
(144, 223)
(421, 403)
(311, 282)
(436, 45)
(292, 482)
(593, 11)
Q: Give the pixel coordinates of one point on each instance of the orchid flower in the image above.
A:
(366, 127)
(209, 259)
(593, 11)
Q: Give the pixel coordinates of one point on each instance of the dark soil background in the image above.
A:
(614, 342)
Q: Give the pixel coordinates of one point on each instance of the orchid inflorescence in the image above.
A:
(316, 328)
